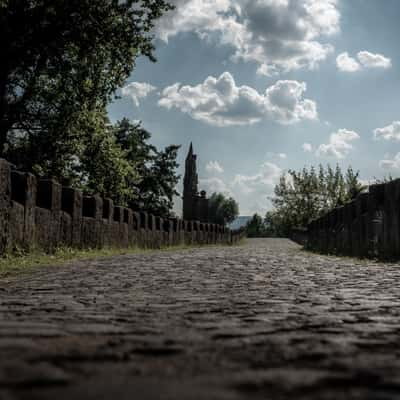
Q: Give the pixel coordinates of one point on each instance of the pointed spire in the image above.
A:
(190, 153)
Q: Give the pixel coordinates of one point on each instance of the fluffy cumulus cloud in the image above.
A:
(251, 191)
(278, 35)
(340, 143)
(307, 147)
(214, 166)
(390, 132)
(265, 179)
(346, 63)
(365, 59)
(214, 184)
(137, 91)
(199, 16)
(390, 163)
(370, 60)
(220, 102)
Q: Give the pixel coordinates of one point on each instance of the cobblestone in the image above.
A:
(263, 321)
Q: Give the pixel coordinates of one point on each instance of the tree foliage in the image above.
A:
(305, 195)
(121, 164)
(157, 169)
(256, 227)
(62, 61)
(103, 167)
(222, 210)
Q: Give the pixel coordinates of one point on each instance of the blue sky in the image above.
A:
(261, 86)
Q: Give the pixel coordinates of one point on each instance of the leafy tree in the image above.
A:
(156, 188)
(256, 227)
(62, 63)
(62, 59)
(273, 225)
(118, 162)
(222, 210)
(161, 182)
(304, 195)
(104, 168)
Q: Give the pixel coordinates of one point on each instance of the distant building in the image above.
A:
(195, 205)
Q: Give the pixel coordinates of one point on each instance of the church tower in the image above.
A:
(195, 205)
(190, 189)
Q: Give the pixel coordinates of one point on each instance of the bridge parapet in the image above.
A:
(41, 213)
(368, 226)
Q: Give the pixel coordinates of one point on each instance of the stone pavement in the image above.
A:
(261, 321)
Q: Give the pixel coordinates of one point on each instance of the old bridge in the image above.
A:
(262, 320)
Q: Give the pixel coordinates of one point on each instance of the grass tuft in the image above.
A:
(21, 262)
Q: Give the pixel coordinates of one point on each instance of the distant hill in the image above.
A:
(239, 222)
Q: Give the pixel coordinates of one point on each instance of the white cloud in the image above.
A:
(198, 16)
(137, 90)
(266, 178)
(370, 60)
(390, 132)
(346, 63)
(251, 191)
(339, 144)
(278, 35)
(307, 147)
(280, 156)
(285, 103)
(214, 166)
(220, 102)
(365, 59)
(215, 184)
(390, 163)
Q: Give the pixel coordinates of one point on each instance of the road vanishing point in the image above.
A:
(264, 320)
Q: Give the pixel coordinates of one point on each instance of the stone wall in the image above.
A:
(368, 226)
(40, 213)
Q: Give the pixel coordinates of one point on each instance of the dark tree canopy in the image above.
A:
(157, 169)
(256, 227)
(222, 210)
(121, 164)
(61, 62)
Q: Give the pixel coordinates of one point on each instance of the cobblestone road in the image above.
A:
(261, 321)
